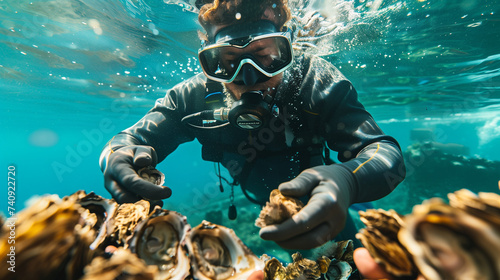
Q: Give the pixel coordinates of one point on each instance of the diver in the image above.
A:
(270, 115)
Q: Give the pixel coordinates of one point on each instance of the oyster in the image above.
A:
(217, 253)
(449, 243)
(126, 218)
(338, 270)
(160, 240)
(380, 237)
(98, 213)
(123, 264)
(52, 241)
(484, 205)
(114, 222)
(342, 263)
(152, 175)
(273, 269)
(278, 209)
(300, 268)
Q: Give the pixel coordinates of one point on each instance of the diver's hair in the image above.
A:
(224, 12)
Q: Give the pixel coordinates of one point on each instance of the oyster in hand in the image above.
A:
(152, 175)
(278, 209)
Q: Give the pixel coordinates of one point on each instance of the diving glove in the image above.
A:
(324, 215)
(123, 182)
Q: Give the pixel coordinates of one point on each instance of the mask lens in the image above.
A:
(268, 54)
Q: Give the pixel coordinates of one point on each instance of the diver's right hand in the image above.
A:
(123, 182)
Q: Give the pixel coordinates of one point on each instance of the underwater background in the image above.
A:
(76, 72)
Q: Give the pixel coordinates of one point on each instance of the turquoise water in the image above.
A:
(76, 72)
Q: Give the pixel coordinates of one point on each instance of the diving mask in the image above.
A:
(247, 53)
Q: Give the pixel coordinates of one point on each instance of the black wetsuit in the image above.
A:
(317, 107)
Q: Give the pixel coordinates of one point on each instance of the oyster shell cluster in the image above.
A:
(459, 240)
(335, 262)
(84, 236)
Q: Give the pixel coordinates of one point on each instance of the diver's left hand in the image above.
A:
(323, 217)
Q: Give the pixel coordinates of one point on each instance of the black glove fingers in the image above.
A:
(145, 156)
(318, 211)
(118, 194)
(302, 184)
(142, 188)
(130, 182)
(298, 224)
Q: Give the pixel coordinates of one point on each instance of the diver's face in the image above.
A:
(265, 52)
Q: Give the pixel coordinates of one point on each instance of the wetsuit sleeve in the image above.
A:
(161, 127)
(373, 159)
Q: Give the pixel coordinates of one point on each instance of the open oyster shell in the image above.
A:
(98, 212)
(152, 175)
(449, 243)
(380, 237)
(217, 253)
(342, 264)
(278, 209)
(160, 240)
(52, 241)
